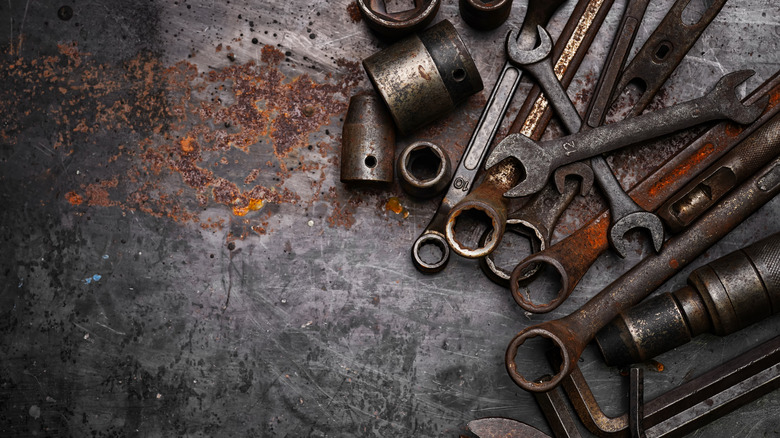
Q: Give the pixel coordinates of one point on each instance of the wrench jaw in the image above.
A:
(578, 168)
(639, 219)
(522, 57)
(725, 95)
(534, 166)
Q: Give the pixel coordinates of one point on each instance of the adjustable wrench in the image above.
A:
(626, 214)
(539, 12)
(540, 159)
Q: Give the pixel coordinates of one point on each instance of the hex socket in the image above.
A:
(424, 76)
(424, 169)
(367, 142)
(722, 297)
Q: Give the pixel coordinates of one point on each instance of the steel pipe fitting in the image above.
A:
(424, 76)
(485, 15)
(395, 25)
(368, 142)
(721, 297)
(424, 169)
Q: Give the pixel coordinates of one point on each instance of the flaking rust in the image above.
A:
(233, 136)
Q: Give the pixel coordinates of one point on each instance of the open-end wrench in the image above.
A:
(540, 159)
(537, 218)
(626, 214)
(487, 198)
(572, 333)
(573, 256)
(538, 12)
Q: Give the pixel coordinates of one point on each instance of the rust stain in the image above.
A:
(424, 75)
(672, 177)
(394, 204)
(674, 264)
(658, 365)
(74, 198)
(188, 125)
(354, 12)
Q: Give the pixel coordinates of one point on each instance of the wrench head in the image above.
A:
(725, 95)
(523, 57)
(639, 219)
(532, 158)
(578, 168)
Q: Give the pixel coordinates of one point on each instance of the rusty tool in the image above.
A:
(571, 334)
(538, 160)
(486, 202)
(572, 256)
(485, 14)
(539, 12)
(398, 24)
(626, 214)
(536, 219)
(687, 407)
(662, 52)
(424, 76)
(424, 169)
(721, 297)
(368, 142)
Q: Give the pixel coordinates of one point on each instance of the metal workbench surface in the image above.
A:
(180, 259)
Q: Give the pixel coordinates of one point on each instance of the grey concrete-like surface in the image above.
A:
(180, 258)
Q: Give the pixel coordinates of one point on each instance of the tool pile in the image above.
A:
(703, 192)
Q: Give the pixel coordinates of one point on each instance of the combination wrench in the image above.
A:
(538, 12)
(540, 159)
(626, 214)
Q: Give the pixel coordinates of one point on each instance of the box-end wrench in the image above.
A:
(571, 334)
(537, 218)
(538, 12)
(626, 214)
(540, 159)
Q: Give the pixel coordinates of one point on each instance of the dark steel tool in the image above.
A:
(539, 12)
(531, 120)
(540, 159)
(424, 169)
(368, 142)
(626, 214)
(398, 24)
(572, 256)
(721, 297)
(485, 14)
(536, 220)
(571, 334)
(685, 408)
(424, 76)
(497, 427)
(662, 52)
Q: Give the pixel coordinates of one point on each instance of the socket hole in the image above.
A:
(459, 74)
(470, 225)
(424, 164)
(370, 161)
(431, 252)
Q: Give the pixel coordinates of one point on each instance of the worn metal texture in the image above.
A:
(180, 257)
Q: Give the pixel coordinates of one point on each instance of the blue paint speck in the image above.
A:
(95, 277)
(105, 256)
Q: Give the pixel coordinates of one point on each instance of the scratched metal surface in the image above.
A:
(179, 257)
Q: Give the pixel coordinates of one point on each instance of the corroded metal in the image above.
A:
(539, 12)
(398, 24)
(722, 297)
(571, 334)
(572, 256)
(424, 76)
(368, 141)
(569, 51)
(424, 169)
